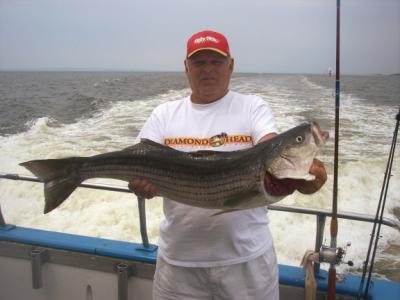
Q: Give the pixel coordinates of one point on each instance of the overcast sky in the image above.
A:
(295, 36)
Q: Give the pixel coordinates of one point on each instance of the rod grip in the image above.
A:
(334, 227)
(331, 284)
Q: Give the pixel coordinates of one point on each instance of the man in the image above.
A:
(228, 256)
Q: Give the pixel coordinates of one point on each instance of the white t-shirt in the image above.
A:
(191, 236)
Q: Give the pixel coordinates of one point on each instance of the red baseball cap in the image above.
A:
(207, 40)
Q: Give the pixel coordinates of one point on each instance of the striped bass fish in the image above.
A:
(208, 179)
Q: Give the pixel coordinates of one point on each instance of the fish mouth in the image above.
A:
(320, 137)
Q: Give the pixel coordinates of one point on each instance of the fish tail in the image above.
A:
(60, 176)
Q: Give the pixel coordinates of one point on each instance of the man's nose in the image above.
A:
(208, 67)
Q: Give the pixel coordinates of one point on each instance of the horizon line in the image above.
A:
(172, 71)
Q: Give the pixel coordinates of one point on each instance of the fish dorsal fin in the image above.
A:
(144, 144)
(130, 148)
(224, 211)
(150, 143)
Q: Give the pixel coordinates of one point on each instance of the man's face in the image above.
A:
(209, 74)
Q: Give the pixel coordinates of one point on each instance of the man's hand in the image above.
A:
(318, 170)
(284, 187)
(142, 188)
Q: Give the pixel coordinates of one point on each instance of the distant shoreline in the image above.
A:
(173, 72)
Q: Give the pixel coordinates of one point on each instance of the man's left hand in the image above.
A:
(284, 187)
(318, 170)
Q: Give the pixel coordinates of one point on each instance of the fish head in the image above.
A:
(295, 150)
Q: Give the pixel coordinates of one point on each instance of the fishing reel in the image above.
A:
(334, 255)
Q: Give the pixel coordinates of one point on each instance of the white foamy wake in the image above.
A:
(87, 212)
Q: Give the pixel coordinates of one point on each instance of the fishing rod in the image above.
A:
(334, 222)
(332, 254)
(379, 216)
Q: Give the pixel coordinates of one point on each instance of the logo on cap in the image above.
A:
(207, 40)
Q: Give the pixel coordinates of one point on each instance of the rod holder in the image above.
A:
(319, 237)
(123, 275)
(38, 258)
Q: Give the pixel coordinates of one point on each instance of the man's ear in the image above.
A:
(185, 63)
(232, 64)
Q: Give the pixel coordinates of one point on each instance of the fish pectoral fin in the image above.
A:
(309, 177)
(224, 211)
(306, 177)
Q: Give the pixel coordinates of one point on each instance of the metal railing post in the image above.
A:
(142, 219)
(2, 221)
(146, 246)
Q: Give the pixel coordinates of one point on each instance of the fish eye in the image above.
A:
(299, 139)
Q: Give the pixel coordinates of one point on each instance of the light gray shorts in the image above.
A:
(253, 280)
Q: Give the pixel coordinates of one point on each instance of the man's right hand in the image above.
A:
(142, 188)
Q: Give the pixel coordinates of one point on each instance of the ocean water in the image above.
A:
(53, 115)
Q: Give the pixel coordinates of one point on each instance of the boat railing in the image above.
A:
(321, 214)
